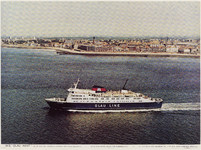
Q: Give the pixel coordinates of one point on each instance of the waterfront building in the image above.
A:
(86, 47)
(184, 44)
(172, 49)
(185, 50)
(132, 48)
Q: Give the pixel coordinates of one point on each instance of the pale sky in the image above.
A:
(100, 18)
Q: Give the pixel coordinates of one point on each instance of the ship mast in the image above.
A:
(125, 85)
(75, 84)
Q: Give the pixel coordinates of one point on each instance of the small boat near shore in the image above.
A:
(98, 98)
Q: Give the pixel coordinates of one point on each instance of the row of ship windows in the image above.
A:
(77, 95)
(103, 98)
(91, 95)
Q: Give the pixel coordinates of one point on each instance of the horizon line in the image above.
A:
(91, 36)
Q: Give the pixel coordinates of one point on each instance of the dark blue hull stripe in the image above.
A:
(104, 106)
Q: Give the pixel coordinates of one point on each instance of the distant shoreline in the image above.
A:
(80, 52)
(27, 47)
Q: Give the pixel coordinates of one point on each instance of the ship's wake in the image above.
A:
(180, 106)
(165, 107)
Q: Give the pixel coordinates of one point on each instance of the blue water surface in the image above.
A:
(30, 76)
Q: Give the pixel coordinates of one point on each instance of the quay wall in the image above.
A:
(78, 52)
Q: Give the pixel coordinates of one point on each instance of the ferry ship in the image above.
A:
(98, 98)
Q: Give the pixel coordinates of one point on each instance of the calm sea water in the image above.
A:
(30, 76)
